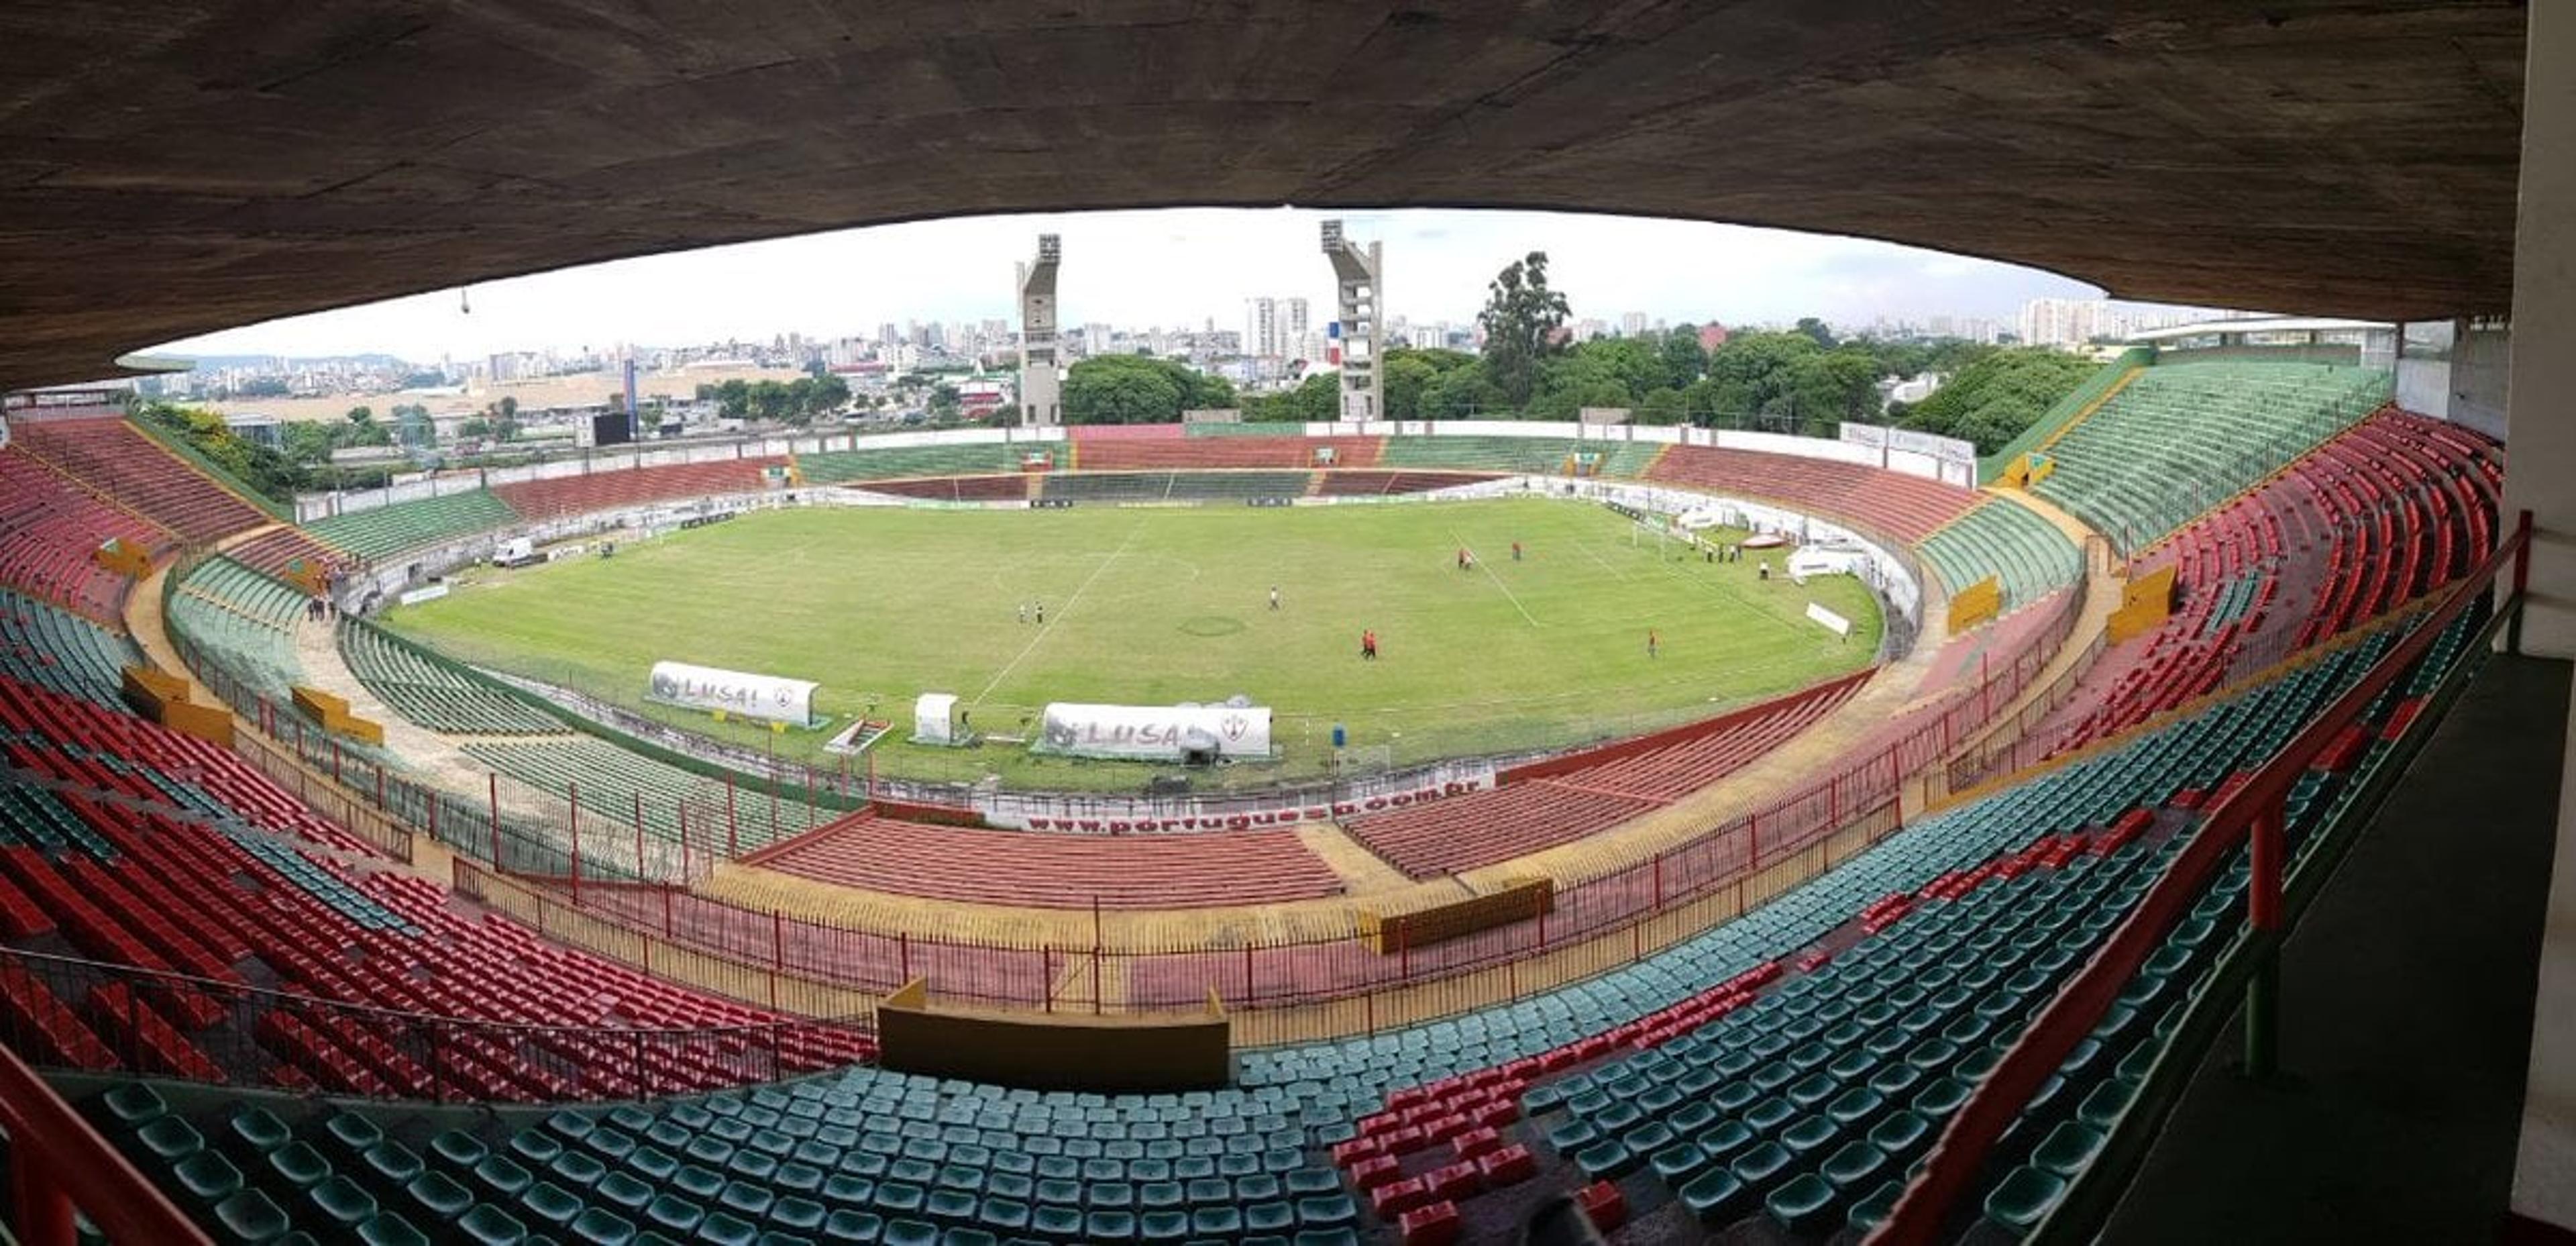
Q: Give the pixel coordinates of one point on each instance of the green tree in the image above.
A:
(1120, 389)
(1662, 406)
(945, 402)
(363, 429)
(1140, 389)
(1464, 394)
(1816, 330)
(1684, 358)
(1520, 321)
(1832, 387)
(1994, 397)
(1584, 378)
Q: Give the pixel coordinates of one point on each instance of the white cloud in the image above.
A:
(1170, 267)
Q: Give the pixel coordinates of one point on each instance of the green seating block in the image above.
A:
(130, 1104)
(723, 1228)
(438, 1196)
(598, 1226)
(299, 1165)
(248, 1216)
(390, 1229)
(207, 1177)
(2068, 1148)
(1801, 1202)
(1715, 1198)
(678, 1214)
(502, 1176)
(487, 1225)
(624, 1192)
(550, 1204)
(169, 1139)
(848, 1225)
(2023, 1198)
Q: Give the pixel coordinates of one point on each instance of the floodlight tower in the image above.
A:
(1357, 277)
(1040, 403)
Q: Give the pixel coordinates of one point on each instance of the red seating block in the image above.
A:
(1508, 1166)
(1603, 1202)
(1434, 1225)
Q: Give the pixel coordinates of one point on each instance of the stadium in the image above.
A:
(1375, 830)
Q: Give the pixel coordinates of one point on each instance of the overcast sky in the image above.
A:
(1166, 267)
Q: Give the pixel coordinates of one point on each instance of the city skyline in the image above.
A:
(1176, 268)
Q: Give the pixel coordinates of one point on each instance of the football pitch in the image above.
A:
(1153, 606)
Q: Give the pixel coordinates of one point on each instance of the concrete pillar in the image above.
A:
(1041, 400)
(2541, 461)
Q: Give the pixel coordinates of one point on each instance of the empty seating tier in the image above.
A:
(120, 462)
(1905, 507)
(560, 496)
(2394, 508)
(959, 488)
(1564, 799)
(982, 458)
(1361, 484)
(1659, 1074)
(2182, 438)
(2002, 538)
(374, 535)
(741, 816)
(160, 853)
(49, 529)
(1533, 455)
(281, 551)
(243, 622)
(1059, 871)
(1095, 454)
(433, 691)
(58, 650)
(1089, 486)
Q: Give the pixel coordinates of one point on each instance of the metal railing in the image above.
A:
(2251, 816)
(57, 1164)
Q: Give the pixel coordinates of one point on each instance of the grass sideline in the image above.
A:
(1156, 605)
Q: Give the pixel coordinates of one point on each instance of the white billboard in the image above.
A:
(733, 692)
(1154, 732)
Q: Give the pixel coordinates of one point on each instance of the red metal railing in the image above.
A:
(2252, 815)
(57, 1162)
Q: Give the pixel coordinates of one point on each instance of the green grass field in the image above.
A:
(1152, 606)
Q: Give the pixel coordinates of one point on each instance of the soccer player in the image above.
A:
(1274, 596)
(1024, 610)
(1654, 643)
(1516, 551)
(1042, 614)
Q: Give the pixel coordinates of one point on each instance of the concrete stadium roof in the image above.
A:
(171, 169)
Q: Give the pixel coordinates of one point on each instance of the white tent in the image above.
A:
(934, 719)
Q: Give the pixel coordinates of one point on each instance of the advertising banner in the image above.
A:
(1154, 732)
(733, 692)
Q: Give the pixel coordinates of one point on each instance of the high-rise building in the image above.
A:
(2060, 322)
(1261, 327)
(1632, 324)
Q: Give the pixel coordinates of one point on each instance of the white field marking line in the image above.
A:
(1727, 591)
(1078, 591)
(1498, 581)
(1595, 556)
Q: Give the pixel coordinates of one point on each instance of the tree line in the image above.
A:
(1803, 380)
